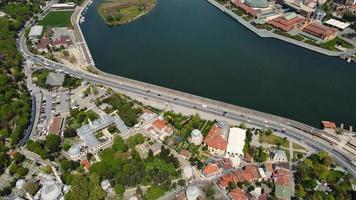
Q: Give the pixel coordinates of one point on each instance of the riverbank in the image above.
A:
(122, 12)
(269, 34)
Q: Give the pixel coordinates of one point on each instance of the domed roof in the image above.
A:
(196, 133)
(192, 192)
(257, 3)
(50, 192)
(74, 150)
(20, 183)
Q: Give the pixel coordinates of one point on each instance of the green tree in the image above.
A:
(119, 190)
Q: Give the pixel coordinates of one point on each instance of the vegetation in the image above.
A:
(320, 168)
(15, 104)
(40, 77)
(116, 12)
(71, 82)
(57, 19)
(84, 187)
(125, 108)
(269, 138)
(47, 148)
(330, 45)
(124, 168)
(185, 124)
(79, 117)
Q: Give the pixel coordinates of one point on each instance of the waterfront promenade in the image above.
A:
(268, 34)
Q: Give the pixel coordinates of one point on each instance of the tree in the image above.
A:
(19, 158)
(230, 186)
(181, 182)
(52, 143)
(69, 132)
(119, 144)
(119, 190)
(209, 192)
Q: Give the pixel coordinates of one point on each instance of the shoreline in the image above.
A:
(268, 34)
(129, 21)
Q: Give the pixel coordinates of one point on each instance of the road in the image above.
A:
(286, 127)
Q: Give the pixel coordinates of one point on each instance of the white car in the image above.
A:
(204, 106)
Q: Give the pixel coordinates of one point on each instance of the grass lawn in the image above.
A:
(273, 139)
(57, 19)
(297, 146)
(336, 41)
(154, 192)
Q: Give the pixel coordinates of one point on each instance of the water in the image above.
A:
(191, 46)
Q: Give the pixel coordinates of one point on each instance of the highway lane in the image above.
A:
(281, 128)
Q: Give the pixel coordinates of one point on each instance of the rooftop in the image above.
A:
(236, 141)
(328, 124)
(211, 169)
(214, 138)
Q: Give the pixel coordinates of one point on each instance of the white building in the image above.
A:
(105, 184)
(188, 172)
(193, 192)
(35, 32)
(279, 156)
(74, 152)
(59, 6)
(196, 137)
(236, 142)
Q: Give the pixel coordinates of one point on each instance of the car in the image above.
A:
(148, 91)
(175, 99)
(204, 106)
(159, 95)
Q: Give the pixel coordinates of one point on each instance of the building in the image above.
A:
(105, 184)
(287, 22)
(319, 15)
(247, 9)
(144, 148)
(43, 45)
(63, 6)
(211, 171)
(193, 193)
(257, 3)
(238, 194)
(63, 40)
(268, 169)
(159, 129)
(328, 124)
(196, 137)
(185, 154)
(234, 176)
(35, 32)
(56, 126)
(74, 152)
(281, 179)
(320, 31)
(87, 131)
(52, 189)
(279, 156)
(236, 142)
(86, 164)
(215, 141)
(251, 173)
(188, 172)
(299, 7)
(337, 24)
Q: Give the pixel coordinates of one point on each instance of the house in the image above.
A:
(216, 143)
(237, 194)
(185, 154)
(287, 22)
(43, 45)
(63, 40)
(251, 173)
(56, 125)
(320, 31)
(328, 124)
(235, 177)
(281, 179)
(159, 129)
(86, 164)
(279, 156)
(268, 169)
(211, 171)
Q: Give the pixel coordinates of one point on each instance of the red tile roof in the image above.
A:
(281, 177)
(269, 167)
(85, 164)
(238, 194)
(235, 176)
(214, 139)
(185, 153)
(328, 124)
(284, 24)
(159, 124)
(56, 125)
(211, 169)
(251, 172)
(246, 8)
(62, 40)
(319, 30)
